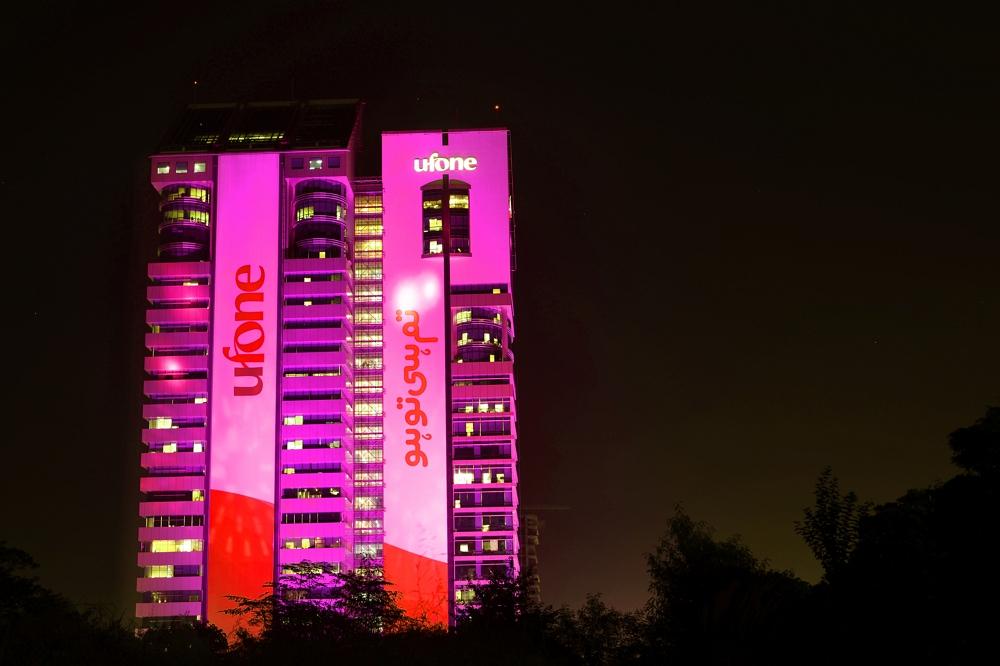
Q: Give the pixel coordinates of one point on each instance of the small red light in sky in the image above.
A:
(496, 107)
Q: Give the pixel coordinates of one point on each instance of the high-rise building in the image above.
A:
(324, 382)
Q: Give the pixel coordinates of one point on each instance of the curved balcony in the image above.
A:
(319, 186)
(182, 225)
(182, 250)
(319, 196)
(478, 351)
(182, 193)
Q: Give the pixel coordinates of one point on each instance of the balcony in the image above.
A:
(177, 316)
(178, 294)
(314, 480)
(292, 457)
(161, 389)
(324, 335)
(178, 270)
(151, 533)
(180, 459)
(301, 384)
(315, 505)
(170, 609)
(167, 584)
(316, 266)
(166, 341)
(178, 411)
(313, 431)
(314, 312)
(316, 288)
(152, 559)
(297, 555)
(175, 365)
(308, 360)
(167, 435)
(314, 408)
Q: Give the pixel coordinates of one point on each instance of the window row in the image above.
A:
(163, 168)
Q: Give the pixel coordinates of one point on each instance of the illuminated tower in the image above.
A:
(279, 397)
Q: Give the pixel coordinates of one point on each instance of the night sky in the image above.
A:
(751, 242)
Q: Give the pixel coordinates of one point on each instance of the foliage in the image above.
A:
(830, 526)
(976, 449)
(904, 582)
(713, 602)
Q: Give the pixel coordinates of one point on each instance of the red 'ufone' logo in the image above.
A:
(248, 338)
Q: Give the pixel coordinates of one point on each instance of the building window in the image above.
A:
(199, 167)
(182, 167)
(297, 162)
(162, 168)
(315, 164)
(433, 221)
(333, 162)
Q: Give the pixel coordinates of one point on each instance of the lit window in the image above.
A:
(197, 495)
(435, 247)
(458, 200)
(288, 470)
(496, 290)
(463, 547)
(307, 303)
(160, 571)
(468, 409)
(170, 448)
(463, 316)
(315, 164)
(433, 204)
(469, 428)
(293, 420)
(198, 447)
(160, 423)
(483, 407)
(199, 167)
(306, 543)
(175, 545)
(498, 408)
(500, 477)
(458, 504)
(465, 594)
(162, 168)
(322, 254)
(487, 477)
(434, 224)
(182, 167)
(307, 279)
(294, 445)
(492, 358)
(200, 401)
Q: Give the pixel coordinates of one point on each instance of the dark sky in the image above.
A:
(752, 242)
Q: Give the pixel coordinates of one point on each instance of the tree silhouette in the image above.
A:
(830, 526)
(976, 449)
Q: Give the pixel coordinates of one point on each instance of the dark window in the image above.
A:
(298, 163)
(333, 162)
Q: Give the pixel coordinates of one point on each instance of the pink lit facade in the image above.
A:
(288, 417)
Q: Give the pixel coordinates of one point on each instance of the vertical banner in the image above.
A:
(417, 529)
(244, 382)
(414, 351)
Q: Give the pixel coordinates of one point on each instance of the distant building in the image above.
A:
(298, 360)
(531, 527)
